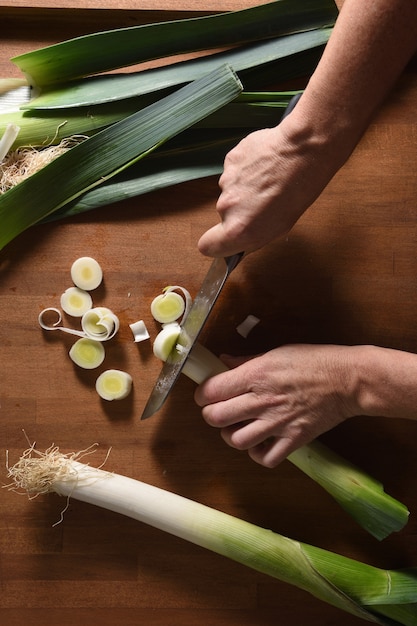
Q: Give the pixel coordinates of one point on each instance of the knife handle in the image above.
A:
(232, 261)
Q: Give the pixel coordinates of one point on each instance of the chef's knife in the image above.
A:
(190, 330)
(195, 320)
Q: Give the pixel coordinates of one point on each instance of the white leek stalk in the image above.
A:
(381, 596)
(359, 494)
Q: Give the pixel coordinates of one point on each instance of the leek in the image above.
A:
(356, 492)
(261, 63)
(386, 597)
(109, 50)
(110, 151)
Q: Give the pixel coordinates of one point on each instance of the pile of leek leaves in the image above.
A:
(183, 116)
(152, 128)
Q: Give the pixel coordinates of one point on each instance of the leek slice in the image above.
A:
(86, 273)
(87, 353)
(114, 385)
(75, 301)
(109, 50)
(110, 151)
(385, 597)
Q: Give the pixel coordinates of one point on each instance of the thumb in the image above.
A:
(215, 243)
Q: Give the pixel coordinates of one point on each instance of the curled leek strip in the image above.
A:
(100, 323)
(56, 326)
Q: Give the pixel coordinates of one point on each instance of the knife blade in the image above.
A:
(196, 318)
(199, 311)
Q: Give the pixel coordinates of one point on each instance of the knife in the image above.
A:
(200, 309)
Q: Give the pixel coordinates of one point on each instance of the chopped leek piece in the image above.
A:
(385, 597)
(248, 324)
(114, 385)
(139, 330)
(100, 323)
(86, 273)
(76, 301)
(87, 353)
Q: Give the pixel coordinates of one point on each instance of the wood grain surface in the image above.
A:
(347, 273)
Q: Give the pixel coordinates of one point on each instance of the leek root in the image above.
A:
(386, 597)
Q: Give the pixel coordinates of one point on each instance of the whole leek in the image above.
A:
(386, 597)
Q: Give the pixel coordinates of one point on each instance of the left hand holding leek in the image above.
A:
(273, 404)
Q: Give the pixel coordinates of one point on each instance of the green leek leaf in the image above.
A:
(100, 52)
(268, 62)
(112, 150)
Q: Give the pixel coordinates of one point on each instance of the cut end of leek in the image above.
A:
(166, 340)
(76, 301)
(114, 385)
(87, 353)
(86, 273)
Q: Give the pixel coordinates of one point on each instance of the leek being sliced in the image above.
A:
(100, 52)
(110, 151)
(270, 61)
(357, 492)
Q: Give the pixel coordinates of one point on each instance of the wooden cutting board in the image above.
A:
(345, 274)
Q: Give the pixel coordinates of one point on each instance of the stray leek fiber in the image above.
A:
(385, 597)
(359, 494)
(75, 301)
(7, 140)
(87, 353)
(86, 273)
(114, 385)
(107, 153)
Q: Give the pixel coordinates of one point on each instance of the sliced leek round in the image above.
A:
(76, 301)
(86, 273)
(87, 353)
(114, 385)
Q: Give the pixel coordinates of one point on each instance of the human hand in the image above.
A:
(272, 404)
(270, 178)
